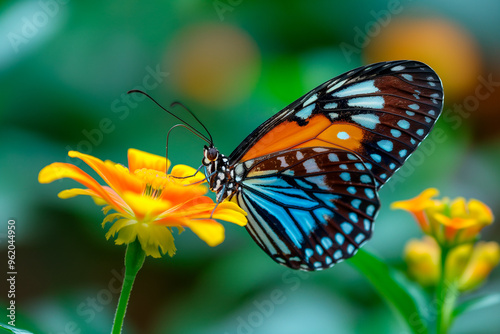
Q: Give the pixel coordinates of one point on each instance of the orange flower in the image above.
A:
(416, 206)
(451, 223)
(148, 202)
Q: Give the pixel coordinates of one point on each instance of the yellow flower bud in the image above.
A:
(485, 257)
(422, 258)
(457, 261)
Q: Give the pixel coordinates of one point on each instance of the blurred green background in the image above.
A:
(64, 69)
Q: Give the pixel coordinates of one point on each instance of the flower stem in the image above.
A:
(134, 258)
(446, 296)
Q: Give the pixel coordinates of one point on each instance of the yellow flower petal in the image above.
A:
(457, 208)
(111, 217)
(69, 193)
(177, 193)
(208, 230)
(417, 203)
(60, 170)
(480, 211)
(118, 225)
(139, 159)
(115, 176)
(455, 222)
(144, 207)
(179, 171)
(230, 212)
(485, 257)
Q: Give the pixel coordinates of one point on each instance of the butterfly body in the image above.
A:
(308, 176)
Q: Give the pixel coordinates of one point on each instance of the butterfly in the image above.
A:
(309, 176)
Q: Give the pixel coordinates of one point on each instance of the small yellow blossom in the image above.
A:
(451, 223)
(467, 265)
(422, 258)
(457, 260)
(485, 257)
(147, 201)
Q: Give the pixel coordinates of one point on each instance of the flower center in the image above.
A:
(155, 181)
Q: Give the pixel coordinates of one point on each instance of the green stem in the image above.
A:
(446, 296)
(134, 258)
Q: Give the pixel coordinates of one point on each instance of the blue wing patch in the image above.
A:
(313, 207)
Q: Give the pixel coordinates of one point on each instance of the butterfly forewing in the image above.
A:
(308, 208)
(381, 112)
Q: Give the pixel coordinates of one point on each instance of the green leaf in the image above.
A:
(406, 297)
(476, 304)
(9, 329)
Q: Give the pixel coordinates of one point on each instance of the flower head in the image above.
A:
(147, 201)
(467, 265)
(450, 222)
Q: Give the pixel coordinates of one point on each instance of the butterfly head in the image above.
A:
(219, 175)
(210, 154)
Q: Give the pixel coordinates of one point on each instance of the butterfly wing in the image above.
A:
(308, 208)
(381, 112)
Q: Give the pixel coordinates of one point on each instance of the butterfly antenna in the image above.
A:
(188, 126)
(175, 103)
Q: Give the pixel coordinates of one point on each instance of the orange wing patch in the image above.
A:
(319, 131)
(340, 135)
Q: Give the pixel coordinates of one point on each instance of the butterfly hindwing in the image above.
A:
(308, 208)
(381, 112)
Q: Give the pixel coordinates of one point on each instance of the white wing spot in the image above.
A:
(283, 161)
(320, 149)
(310, 100)
(372, 102)
(343, 135)
(398, 68)
(369, 121)
(331, 105)
(333, 115)
(306, 112)
(407, 77)
(365, 87)
(335, 86)
(311, 166)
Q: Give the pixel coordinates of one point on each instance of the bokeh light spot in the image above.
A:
(443, 45)
(214, 64)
